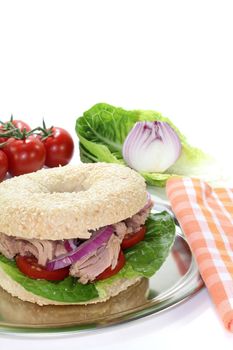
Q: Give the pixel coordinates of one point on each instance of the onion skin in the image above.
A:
(151, 147)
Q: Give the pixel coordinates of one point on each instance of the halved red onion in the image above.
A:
(151, 147)
(89, 246)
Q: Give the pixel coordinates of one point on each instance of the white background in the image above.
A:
(58, 58)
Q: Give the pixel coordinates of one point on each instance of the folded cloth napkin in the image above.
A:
(206, 218)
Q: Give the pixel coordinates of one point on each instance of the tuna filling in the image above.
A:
(86, 269)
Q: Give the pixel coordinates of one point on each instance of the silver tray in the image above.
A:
(177, 280)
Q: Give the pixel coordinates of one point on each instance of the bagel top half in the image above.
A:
(68, 202)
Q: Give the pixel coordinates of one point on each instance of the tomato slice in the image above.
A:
(30, 267)
(134, 238)
(109, 272)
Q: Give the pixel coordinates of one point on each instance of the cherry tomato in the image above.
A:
(21, 125)
(24, 156)
(2, 131)
(109, 272)
(30, 267)
(134, 238)
(7, 126)
(3, 165)
(59, 148)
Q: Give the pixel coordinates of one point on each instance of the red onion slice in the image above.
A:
(89, 246)
(70, 245)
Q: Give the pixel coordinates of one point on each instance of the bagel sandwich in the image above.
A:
(79, 234)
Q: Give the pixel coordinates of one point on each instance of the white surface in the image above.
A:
(58, 58)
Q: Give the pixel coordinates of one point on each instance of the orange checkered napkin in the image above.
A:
(206, 218)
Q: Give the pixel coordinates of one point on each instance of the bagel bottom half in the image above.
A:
(15, 289)
(16, 312)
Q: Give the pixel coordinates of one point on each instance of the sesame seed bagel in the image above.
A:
(67, 202)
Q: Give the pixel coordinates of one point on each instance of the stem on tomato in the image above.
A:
(33, 131)
(3, 144)
(7, 134)
(11, 131)
(45, 131)
(43, 122)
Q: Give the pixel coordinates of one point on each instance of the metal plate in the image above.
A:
(177, 280)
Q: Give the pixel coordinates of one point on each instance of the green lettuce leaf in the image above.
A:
(144, 259)
(68, 290)
(103, 129)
